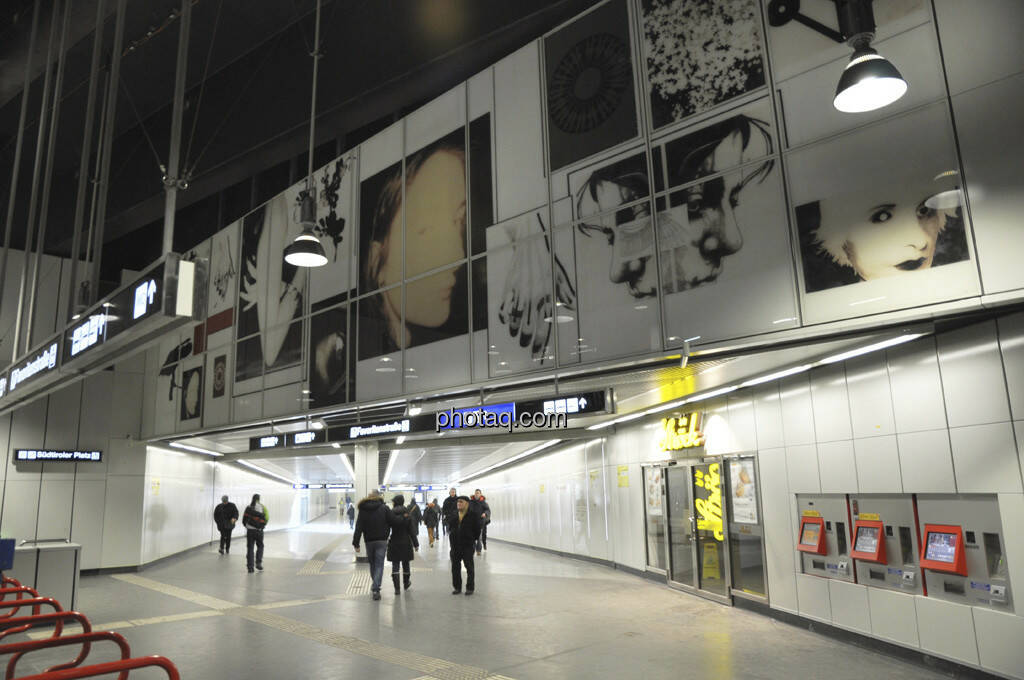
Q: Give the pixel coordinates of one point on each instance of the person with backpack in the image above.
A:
(254, 519)
(224, 516)
(431, 518)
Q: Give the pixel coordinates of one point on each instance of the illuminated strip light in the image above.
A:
(348, 465)
(265, 471)
(777, 375)
(843, 356)
(391, 464)
(518, 456)
(187, 447)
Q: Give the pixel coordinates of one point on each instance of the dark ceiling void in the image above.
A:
(247, 104)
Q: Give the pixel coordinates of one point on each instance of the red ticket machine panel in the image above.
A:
(869, 541)
(944, 549)
(812, 535)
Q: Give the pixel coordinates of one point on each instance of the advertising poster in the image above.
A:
(653, 492)
(623, 475)
(743, 491)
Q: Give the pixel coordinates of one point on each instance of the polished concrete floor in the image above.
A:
(534, 615)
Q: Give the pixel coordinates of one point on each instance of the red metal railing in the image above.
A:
(34, 602)
(20, 649)
(23, 623)
(17, 590)
(109, 667)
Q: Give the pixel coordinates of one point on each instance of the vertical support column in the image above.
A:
(171, 179)
(366, 468)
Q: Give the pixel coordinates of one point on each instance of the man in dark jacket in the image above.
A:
(224, 516)
(479, 505)
(254, 519)
(431, 517)
(374, 523)
(351, 512)
(416, 516)
(400, 546)
(448, 508)
(463, 530)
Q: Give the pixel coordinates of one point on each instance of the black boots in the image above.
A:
(407, 580)
(394, 579)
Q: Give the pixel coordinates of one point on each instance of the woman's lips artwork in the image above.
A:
(911, 265)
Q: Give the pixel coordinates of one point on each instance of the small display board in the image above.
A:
(812, 535)
(869, 541)
(944, 549)
(58, 455)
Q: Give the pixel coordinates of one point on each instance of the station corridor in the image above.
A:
(534, 615)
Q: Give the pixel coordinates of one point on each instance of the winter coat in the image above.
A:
(400, 546)
(255, 517)
(431, 516)
(223, 514)
(351, 512)
(448, 508)
(374, 521)
(464, 534)
(481, 507)
(416, 516)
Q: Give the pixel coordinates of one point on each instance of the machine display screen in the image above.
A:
(867, 540)
(810, 534)
(941, 547)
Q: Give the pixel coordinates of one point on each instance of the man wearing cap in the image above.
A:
(463, 531)
(224, 516)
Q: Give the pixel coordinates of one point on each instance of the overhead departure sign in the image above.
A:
(117, 314)
(271, 441)
(38, 364)
(579, 404)
(306, 438)
(58, 455)
(377, 429)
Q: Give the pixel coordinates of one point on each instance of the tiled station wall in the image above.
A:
(132, 507)
(941, 414)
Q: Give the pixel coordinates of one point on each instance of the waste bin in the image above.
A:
(51, 567)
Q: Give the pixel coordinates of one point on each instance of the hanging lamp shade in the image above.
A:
(306, 250)
(869, 82)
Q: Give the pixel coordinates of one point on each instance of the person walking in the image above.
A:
(254, 519)
(449, 508)
(374, 523)
(401, 543)
(431, 516)
(481, 508)
(351, 516)
(463, 530)
(416, 516)
(224, 516)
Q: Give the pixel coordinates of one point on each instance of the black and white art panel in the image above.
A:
(190, 404)
(335, 227)
(173, 350)
(589, 85)
(520, 178)
(223, 286)
(331, 358)
(380, 210)
(698, 54)
(885, 228)
(723, 234)
(379, 349)
(217, 387)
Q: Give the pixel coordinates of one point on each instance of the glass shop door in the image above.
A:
(698, 550)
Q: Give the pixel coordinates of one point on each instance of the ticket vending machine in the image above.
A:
(885, 546)
(824, 538)
(963, 550)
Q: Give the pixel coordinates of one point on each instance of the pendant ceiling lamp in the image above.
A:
(869, 81)
(306, 250)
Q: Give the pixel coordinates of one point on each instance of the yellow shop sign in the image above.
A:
(682, 432)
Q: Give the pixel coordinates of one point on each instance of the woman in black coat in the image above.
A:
(400, 545)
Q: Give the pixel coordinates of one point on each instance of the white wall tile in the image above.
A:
(972, 376)
(1011, 511)
(62, 418)
(768, 419)
(775, 508)
(985, 458)
(893, 616)
(97, 409)
(802, 468)
(850, 606)
(878, 465)
(830, 402)
(86, 524)
(916, 386)
(122, 521)
(999, 641)
(742, 423)
(55, 500)
(837, 467)
(946, 629)
(20, 507)
(980, 40)
(1011, 343)
(926, 462)
(867, 381)
(813, 596)
(797, 411)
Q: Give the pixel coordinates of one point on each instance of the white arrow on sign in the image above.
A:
(583, 402)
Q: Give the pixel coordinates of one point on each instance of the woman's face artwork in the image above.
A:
(191, 395)
(435, 228)
(879, 239)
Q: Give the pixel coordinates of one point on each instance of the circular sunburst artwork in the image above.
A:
(588, 84)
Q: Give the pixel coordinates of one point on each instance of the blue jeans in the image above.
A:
(375, 552)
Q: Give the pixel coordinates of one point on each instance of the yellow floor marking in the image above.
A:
(174, 591)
